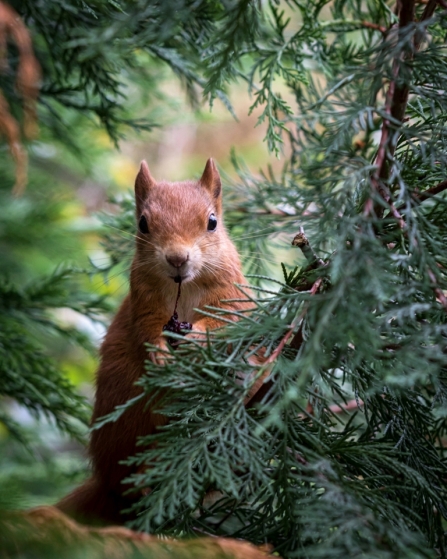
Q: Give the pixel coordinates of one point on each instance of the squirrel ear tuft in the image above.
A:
(211, 179)
(143, 184)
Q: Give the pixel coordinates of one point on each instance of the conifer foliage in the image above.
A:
(341, 452)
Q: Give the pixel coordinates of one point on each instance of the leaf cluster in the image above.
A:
(93, 54)
(344, 451)
(29, 375)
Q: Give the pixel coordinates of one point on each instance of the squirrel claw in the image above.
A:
(197, 336)
(162, 355)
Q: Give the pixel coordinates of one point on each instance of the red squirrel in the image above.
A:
(180, 238)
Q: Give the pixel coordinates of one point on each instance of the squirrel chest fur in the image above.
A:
(180, 238)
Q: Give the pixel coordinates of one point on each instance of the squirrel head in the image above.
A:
(181, 236)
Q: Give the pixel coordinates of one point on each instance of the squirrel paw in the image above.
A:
(197, 335)
(162, 355)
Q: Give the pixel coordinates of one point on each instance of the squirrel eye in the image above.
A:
(142, 225)
(212, 223)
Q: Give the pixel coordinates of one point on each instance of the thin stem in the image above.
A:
(439, 293)
(343, 408)
(256, 394)
(302, 242)
(422, 196)
(395, 106)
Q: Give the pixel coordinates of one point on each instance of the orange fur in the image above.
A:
(177, 216)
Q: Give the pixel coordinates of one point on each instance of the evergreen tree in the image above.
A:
(341, 452)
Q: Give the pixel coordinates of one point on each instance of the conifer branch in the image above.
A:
(429, 10)
(255, 394)
(395, 105)
(400, 92)
(302, 242)
(430, 192)
(343, 408)
(377, 332)
(439, 293)
(13, 29)
(374, 26)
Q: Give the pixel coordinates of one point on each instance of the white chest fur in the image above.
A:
(190, 299)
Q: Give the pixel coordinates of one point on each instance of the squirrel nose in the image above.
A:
(177, 259)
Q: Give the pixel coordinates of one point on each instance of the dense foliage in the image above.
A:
(342, 451)
(93, 53)
(92, 60)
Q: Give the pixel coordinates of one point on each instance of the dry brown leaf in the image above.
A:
(27, 84)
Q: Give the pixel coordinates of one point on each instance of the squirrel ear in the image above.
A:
(143, 184)
(211, 179)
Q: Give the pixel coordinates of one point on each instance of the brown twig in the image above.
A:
(9, 127)
(268, 211)
(259, 382)
(343, 408)
(375, 26)
(298, 339)
(399, 92)
(302, 242)
(260, 387)
(429, 10)
(334, 408)
(406, 16)
(379, 173)
(426, 194)
(439, 293)
(395, 106)
(27, 83)
(275, 354)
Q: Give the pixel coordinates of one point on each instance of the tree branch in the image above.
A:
(349, 406)
(375, 26)
(301, 241)
(399, 93)
(426, 194)
(395, 106)
(438, 292)
(12, 29)
(260, 387)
